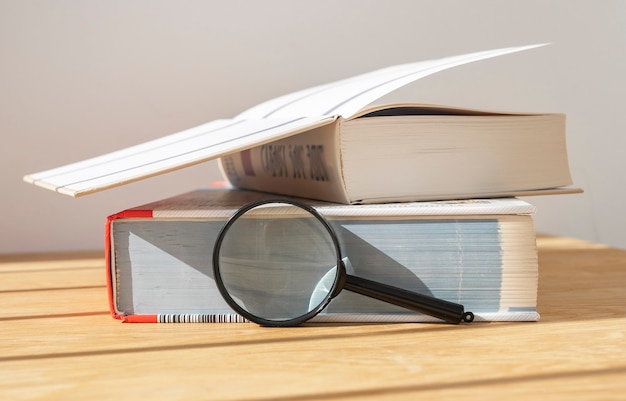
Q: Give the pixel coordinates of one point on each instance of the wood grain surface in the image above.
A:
(58, 341)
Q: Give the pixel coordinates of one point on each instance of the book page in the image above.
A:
(196, 145)
(348, 96)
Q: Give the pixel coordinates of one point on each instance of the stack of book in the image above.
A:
(422, 197)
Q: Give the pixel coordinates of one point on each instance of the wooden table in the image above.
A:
(58, 341)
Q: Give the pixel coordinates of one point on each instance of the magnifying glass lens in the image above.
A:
(276, 263)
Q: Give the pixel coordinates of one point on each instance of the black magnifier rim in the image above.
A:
(220, 282)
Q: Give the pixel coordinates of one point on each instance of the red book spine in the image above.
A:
(131, 213)
(139, 318)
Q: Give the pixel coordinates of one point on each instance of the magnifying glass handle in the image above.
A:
(445, 310)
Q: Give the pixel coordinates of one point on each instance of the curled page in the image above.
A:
(348, 96)
(172, 152)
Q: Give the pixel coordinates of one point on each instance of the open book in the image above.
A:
(283, 117)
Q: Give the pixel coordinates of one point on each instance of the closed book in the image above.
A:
(480, 253)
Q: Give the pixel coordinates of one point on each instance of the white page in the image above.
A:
(272, 120)
(347, 97)
(172, 152)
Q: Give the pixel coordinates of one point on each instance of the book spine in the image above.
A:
(139, 318)
(110, 258)
(306, 165)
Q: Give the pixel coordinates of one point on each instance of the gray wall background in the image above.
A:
(80, 78)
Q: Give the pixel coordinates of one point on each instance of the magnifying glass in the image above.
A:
(277, 262)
